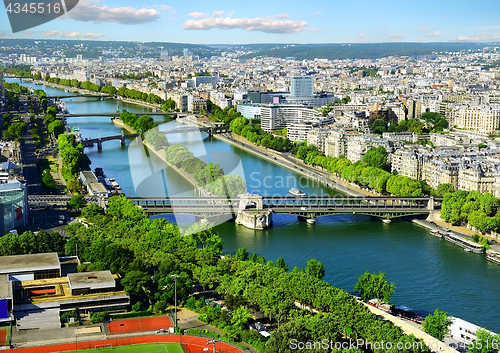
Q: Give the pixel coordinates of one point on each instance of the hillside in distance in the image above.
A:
(357, 50)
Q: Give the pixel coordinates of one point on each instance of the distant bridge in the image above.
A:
(308, 207)
(116, 114)
(211, 130)
(20, 77)
(76, 95)
(99, 140)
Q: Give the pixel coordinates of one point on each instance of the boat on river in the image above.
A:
(493, 257)
(464, 243)
(436, 233)
(297, 193)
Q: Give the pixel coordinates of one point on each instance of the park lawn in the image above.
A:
(138, 348)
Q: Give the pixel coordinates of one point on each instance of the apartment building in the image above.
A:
(484, 118)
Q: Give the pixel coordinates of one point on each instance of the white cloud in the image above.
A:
(399, 35)
(361, 35)
(491, 27)
(197, 14)
(317, 13)
(230, 14)
(217, 13)
(93, 10)
(74, 34)
(281, 16)
(248, 24)
(480, 38)
(313, 30)
(172, 19)
(167, 8)
(424, 29)
(421, 40)
(28, 32)
(434, 34)
(2, 34)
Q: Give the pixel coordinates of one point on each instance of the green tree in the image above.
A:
(76, 202)
(376, 157)
(56, 128)
(315, 268)
(240, 317)
(486, 342)
(241, 254)
(437, 324)
(374, 285)
(444, 189)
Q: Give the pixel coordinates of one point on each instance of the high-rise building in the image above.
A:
(301, 86)
(186, 52)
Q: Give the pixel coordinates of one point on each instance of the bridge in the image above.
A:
(99, 140)
(211, 130)
(79, 95)
(308, 207)
(117, 114)
(60, 200)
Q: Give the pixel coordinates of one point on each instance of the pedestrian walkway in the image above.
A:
(434, 344)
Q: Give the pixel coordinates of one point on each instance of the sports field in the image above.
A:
(137, 348)
(139, 324)
(3, 337)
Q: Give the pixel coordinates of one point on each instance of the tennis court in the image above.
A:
(139, 324)
(138, 348)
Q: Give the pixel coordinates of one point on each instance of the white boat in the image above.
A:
(297, 193)
(311, 221)
(464, 243)
(493, 257)
(436, 233)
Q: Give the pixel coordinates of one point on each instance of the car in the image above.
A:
(433, 223)
(303, 208)
(301, 169)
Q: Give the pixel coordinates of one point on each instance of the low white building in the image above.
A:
(463, 331)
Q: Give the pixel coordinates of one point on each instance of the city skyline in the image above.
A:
(225, 22)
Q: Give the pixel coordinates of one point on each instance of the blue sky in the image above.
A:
(272, 21)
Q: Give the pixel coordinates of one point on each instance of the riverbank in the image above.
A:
(162, 155)
(106, 95)
(296, 165)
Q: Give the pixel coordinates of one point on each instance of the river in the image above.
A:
(429, 272)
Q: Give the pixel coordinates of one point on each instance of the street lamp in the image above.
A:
(175, 296)
(212, 341)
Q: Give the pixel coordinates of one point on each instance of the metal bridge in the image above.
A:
(79, 95)
(308, 207)
(59, 200)
(99, 140)
(211, 130)
(118, 114)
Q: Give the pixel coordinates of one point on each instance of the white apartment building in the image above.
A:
(484, 118)
(278, 116)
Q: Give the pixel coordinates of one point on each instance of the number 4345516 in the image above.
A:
(35, 7)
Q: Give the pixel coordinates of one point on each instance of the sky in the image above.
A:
(271, 21)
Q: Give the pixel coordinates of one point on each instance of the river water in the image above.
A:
(429, 272)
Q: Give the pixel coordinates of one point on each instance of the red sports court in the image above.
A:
(139, 324)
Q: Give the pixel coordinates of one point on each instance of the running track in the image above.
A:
(196, 344)
(138, 325)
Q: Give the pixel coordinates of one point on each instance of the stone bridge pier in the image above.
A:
(251, 213)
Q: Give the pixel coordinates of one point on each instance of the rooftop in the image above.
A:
(30, 262)
(97, 279)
